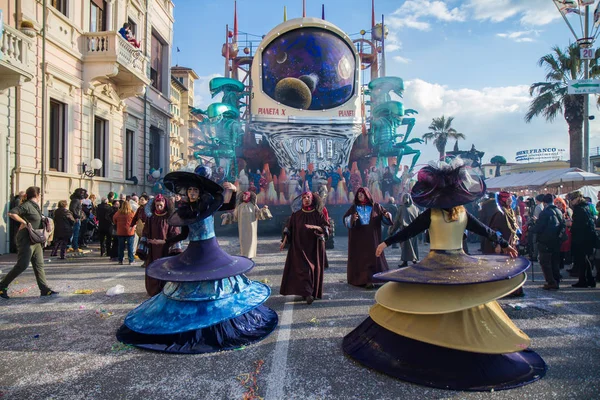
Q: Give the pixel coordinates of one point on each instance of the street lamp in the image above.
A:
(96, 164)
(587, 53)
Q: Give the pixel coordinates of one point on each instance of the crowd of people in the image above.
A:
(117, 222)
(557, 232)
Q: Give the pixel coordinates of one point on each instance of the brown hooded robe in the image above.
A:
(362, 242)
(306, 258)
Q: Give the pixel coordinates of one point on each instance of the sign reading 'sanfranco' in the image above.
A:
(541, 154)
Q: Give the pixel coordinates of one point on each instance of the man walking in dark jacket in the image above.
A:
(548, 229)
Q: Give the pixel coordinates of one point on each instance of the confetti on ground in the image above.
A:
(121, 347)
(83, 291)
(518, 306)
(249, 382)
(23, 291)
(36, 336)
(266, 280)
(314, 320)
(102, 313)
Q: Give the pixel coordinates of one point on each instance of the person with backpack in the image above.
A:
(549, 230)
(583, 236)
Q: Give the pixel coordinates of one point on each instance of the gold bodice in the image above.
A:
(445, 234)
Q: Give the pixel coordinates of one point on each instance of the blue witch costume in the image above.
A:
(436, 323)
(207, 304)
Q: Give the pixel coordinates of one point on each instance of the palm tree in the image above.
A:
(498, 161)
(551, 97)
(441, 131)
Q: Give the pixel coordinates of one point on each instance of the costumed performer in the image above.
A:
(247, 214)
(158, 236)
(207, 304)
(306, 232)
(436, 323)
(407, 213)
(363, 220)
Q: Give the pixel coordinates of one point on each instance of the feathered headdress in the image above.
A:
(446, 184)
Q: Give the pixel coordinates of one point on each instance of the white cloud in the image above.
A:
(520, 36)
(530, 12)
(415, 13)
(392, 42)
(401, 60)
(491, 118)
(202, 97)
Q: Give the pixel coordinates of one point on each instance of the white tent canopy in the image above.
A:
(527, 179)
(575, 176)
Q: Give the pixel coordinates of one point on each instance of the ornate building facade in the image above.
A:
(187, 77)
(72, 89)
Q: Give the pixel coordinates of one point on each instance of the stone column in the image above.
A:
(109, 15)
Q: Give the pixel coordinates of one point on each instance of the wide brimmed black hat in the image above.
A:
(211, 193)
(447, 185)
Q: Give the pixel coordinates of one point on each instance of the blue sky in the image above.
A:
(471, 59)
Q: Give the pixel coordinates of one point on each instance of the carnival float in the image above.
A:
(295, 109)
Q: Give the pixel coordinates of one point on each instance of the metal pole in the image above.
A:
(586, 101)
(382, 46)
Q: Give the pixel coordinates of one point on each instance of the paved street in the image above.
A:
(65, 347)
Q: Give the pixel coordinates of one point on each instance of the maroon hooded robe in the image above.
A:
(306, 258)
(362, 242)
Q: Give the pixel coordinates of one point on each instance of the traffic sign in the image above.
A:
(583, 86)
(587, 53)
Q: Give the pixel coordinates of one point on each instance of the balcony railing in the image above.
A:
(15, 67)
(108, 54)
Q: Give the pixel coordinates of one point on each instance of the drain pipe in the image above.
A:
(9, 177)
(146, 101)
(44, 107)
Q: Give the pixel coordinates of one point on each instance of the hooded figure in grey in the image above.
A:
(407, 213)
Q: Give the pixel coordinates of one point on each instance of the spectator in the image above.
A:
(488, 208)
(93, 203)
(86, 208)
(583, 237)
(114, 243)
(27, 252)
(160, 236)
(111, 197)
(539, 207)
(125, 31)
(505, 222)
(548, 230)
(565, 248)
(125, 231)
(77, 211)
(63, 229)
(104, 214)
(139, 218)
(592, 207)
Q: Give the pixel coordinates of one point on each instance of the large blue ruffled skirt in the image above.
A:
(201, 317)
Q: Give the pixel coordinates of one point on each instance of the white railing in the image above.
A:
(13, 46)
(113, 46)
